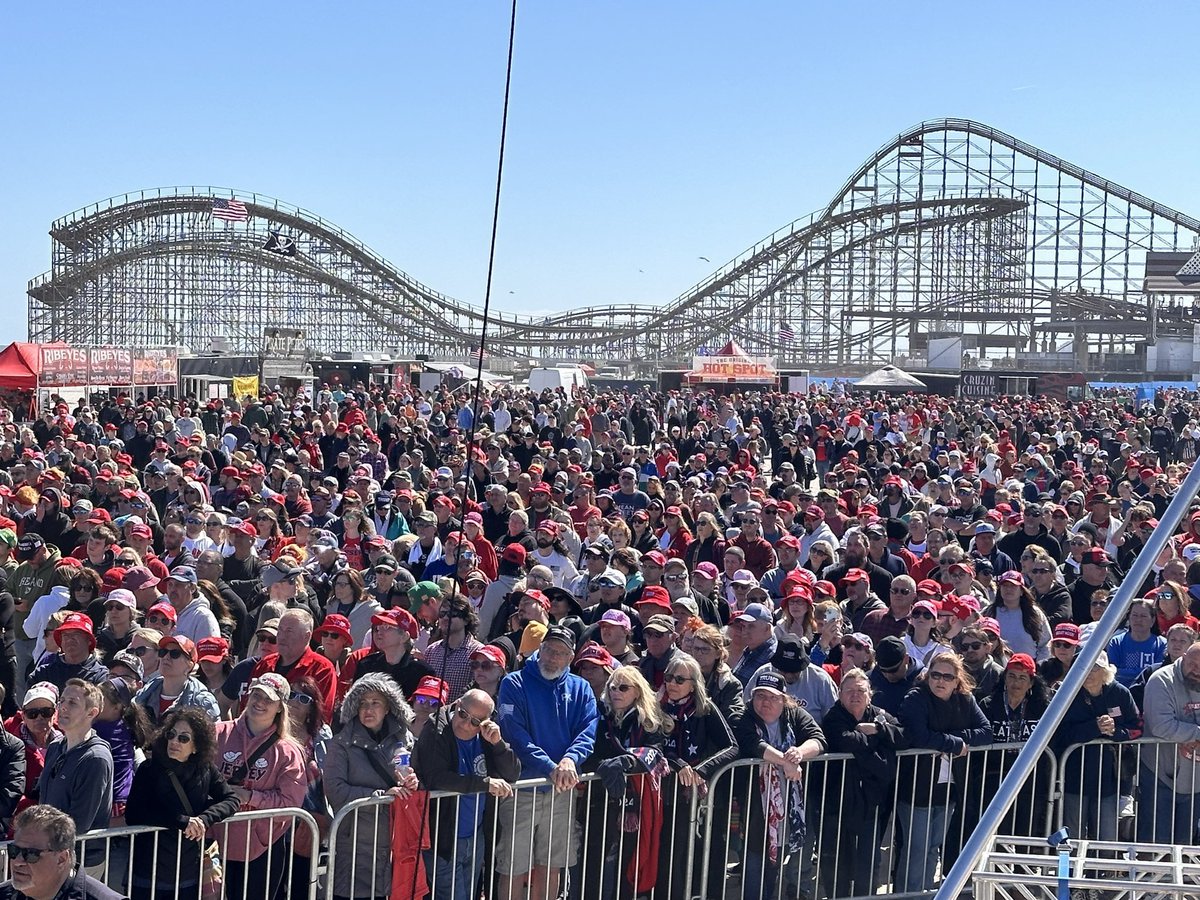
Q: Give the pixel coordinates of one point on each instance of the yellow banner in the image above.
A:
(245, 385)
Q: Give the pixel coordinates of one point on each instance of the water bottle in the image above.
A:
(401, 763)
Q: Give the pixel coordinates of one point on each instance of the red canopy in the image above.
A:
(19, 366)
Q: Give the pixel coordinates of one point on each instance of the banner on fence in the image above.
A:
(64, 366)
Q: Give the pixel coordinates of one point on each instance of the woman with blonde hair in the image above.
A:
(708, 545)
(699, 742)
(631, 721)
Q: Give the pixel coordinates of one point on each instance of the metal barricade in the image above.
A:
(844, 832)
(254, 849)
(1144, 790)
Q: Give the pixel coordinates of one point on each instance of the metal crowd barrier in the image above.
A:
(747, 834)
(175, 865)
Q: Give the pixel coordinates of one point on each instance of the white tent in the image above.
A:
(890, 378)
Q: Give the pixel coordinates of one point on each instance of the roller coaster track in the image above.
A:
(946, 216)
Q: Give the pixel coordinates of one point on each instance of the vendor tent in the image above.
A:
(890, 378)
(19, 366)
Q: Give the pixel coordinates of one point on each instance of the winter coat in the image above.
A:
(1087, 768)
(58, 672)
(276, 781)
(153, 800)
(856, 787)
(79, 781)
(350, 775)
(435, 760)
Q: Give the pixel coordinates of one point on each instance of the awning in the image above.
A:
(19, 365)
(890, 378)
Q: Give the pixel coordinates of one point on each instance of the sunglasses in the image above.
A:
(426, 701)
(113, 606)
(1061, 645)
(194, 521)
(173, 652)
(44, 712)
(974, 645)
(943, 676)
(1041, 570)
(302, 699)
(903, 592)
(140, 651)
(213, 524)
(921, 614)
(674, 578)
(182, 736)
(482, 665)
(1099, 603)
(26, 854)
(467, 717)
(676, 679)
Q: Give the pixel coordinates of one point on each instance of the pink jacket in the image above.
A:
(277, 781)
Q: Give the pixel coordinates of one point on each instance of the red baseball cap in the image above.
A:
(655, 595)
(434, 688)
(335, 624)
(396, 617)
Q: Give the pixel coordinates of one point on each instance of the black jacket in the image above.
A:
(435, 760)
(78, 886)
(857, 786)
(753, 744)
(153, 800)
(12, 773)
(1056, 604)
(943, 725)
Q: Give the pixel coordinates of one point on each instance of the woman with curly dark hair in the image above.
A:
(178, 788)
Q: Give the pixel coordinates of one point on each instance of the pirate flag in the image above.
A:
(278, 243)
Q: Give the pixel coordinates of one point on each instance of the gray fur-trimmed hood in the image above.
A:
(398, 707)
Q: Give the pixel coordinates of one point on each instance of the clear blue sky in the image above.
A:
(643, 135)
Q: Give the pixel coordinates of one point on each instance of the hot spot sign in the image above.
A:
(733, 368)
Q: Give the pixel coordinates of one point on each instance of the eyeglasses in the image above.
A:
(902, 591)
(26, 854)
(1099, 603)
(262, 519)
(621, 688)
(182, 736)
(267, 639)
(214, 524)
(301, 698)
(1164, 595)
(943, 676)
(482, 665)
(467, 717)
(676, 679)
(674, 578)
(974, 645)
(157, 618)
(1041, 570)
(173, 652)
(42, 712)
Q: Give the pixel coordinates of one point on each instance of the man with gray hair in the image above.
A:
(462, 750)
(42, 860)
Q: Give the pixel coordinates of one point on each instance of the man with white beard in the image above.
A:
(549, 717)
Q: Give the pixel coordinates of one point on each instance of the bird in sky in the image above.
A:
(705, 258)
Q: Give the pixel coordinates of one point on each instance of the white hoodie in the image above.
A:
(39, 616)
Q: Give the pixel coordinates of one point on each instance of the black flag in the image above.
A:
(278, 243)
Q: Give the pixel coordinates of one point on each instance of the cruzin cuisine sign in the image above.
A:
(733, 368)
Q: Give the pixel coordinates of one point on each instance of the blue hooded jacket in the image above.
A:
(545, 721)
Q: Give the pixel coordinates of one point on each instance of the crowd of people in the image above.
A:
(273, 604)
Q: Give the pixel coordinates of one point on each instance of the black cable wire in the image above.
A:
(472, 439)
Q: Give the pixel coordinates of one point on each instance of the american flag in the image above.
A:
(229, 210)
(478, 355)
(786, 335)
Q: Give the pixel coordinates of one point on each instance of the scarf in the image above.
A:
(435, 552)
(782, 800)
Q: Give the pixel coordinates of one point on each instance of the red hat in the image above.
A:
(929, 586)
(929, 606)
(541, 598)
(671, 511)
(183, 643)
(1067, 632)
(540, 488)
(990, 625)
(855, 575)
(434, 688)
(955, 607)
(515, 554)
(597, 655)
(245, 527)
(812, 511)
(337, 625)
(655, 557)
(1021, 662)
(397, 617)
(549, 526)
(492, 652)
(654, 595)
(788, 540)
(825, 587)
(77, 622)
(799, 592)
(212, 649)
(166, 609)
